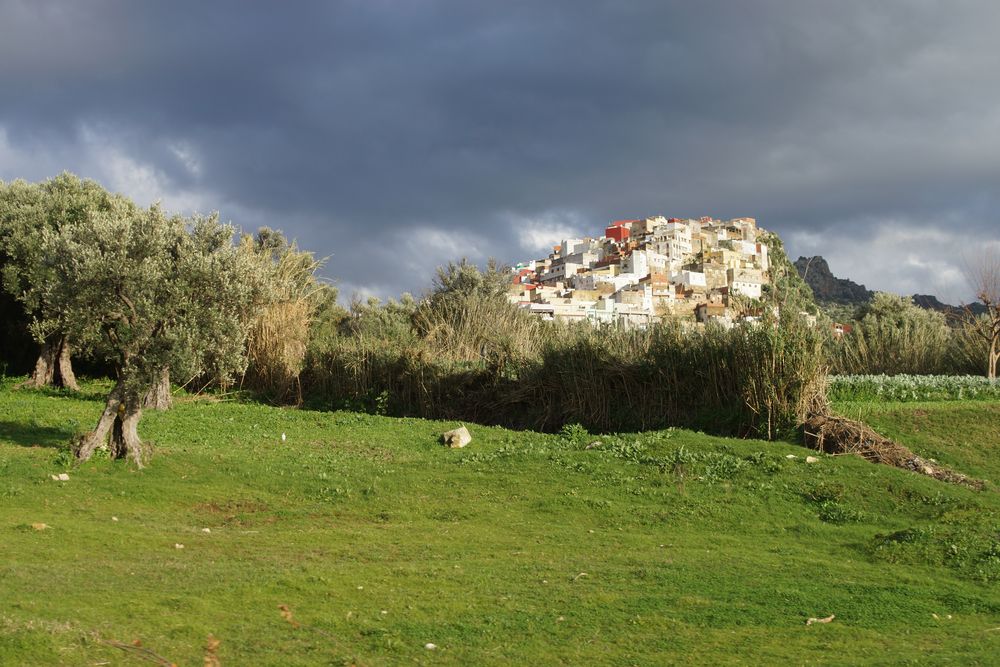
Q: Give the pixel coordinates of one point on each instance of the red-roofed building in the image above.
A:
(523, 276)
(619, 230)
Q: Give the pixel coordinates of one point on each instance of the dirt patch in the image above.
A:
(838, 435)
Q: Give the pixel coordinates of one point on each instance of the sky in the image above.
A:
(391, 136)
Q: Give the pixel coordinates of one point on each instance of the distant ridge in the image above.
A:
(829, 289)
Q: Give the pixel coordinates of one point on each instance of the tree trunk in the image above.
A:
(64, 369)
(45, 367)
(120, 420)
(991, 371)
(54, 367)
(158, 397)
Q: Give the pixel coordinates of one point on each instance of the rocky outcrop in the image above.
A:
(828, 288)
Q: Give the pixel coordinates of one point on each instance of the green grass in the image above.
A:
(659, 548)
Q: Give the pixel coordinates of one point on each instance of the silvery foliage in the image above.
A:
(26, 209)
(145, 291)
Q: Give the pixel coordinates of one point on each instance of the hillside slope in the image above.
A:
(523, 548)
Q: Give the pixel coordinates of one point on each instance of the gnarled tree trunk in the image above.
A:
(64, 367)
(158, 397)
(120, 420)
(54, 367)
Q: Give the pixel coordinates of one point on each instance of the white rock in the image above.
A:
(812, 459)
(456, 438)
(114, 518)
(206, 530)
(282, 437)
(178, 546)
(429, 646)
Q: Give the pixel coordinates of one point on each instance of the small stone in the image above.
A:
(384, 612)
(429, 646)
(61, 477)
(560, 619)
(456, 438)
(178, 546)
(282, 437)
(812, 459)
(928, 470)
(361, 588)
(114, 518)
(206, 530)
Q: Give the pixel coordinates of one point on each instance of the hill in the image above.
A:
(826, 287)
(358, 539)
(830, 290)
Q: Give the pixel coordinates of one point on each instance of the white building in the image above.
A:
(689, 278)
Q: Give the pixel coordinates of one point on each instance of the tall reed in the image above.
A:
(750, 380)
(279, 335)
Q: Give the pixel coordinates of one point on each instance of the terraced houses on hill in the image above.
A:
(644, 270)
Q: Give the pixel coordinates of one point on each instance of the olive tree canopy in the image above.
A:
(146, 291)
(27, 210)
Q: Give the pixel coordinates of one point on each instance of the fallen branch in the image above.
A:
(828, 619)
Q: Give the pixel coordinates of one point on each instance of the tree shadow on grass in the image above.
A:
(33, 435)
(99, 394)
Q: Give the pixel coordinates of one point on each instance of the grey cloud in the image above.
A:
(365, 127)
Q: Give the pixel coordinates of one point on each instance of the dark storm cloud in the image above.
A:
(394, 135)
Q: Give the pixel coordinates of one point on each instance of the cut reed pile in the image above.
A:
(838, 435)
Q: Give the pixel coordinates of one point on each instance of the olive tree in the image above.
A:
(27, 211)
(146, 291)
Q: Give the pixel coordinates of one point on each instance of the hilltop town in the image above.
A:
(644, 270)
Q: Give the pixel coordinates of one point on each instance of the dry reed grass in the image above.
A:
(279, 333)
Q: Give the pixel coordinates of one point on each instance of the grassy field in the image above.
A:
(659, 548)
